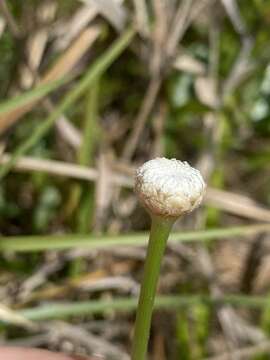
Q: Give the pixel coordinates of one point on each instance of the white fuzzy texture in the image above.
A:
(169, 188)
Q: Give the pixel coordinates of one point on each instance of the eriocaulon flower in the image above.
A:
(167, 189)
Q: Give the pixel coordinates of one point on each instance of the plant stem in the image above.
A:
(91, 137)
(159, 234)
(64, 310)
(36, 243)
(31, 96)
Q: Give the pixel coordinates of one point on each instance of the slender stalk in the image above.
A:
(35, 243)
(90, 141)
(159, 234)
(30, 96)
(60, 310)
(81, 197)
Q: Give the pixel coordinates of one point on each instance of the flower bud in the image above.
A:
(169, 188)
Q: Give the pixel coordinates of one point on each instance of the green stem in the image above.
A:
(35, 243)
(91, 138)
(64, 310)
(159, 234)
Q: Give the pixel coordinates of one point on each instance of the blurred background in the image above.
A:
(89, 91)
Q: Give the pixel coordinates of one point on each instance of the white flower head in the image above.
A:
(169, 188)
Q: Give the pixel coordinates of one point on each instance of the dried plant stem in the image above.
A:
(160, 230)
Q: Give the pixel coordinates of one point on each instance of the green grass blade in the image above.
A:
(61, 242)
(94, 307)
(30, 96)
(91, 138)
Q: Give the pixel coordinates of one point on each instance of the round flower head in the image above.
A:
(169, 188)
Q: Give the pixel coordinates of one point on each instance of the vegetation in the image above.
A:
(90, 90)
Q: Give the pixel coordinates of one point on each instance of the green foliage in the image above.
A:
(192, 332)
(102, 101)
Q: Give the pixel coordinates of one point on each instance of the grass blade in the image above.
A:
(30, 96)
(94, 307)
(61, 242)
